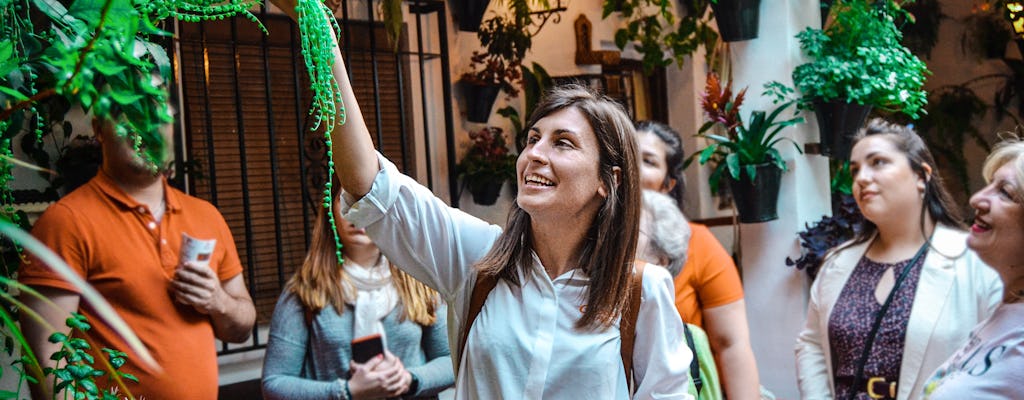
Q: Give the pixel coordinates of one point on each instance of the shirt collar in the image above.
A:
(114, 192)
(575, 275)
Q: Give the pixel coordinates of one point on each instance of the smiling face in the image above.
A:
(653, 162)
(997, 235)
(884, 185)
(558, 170)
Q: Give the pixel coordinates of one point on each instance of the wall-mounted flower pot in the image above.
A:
(838, 122)
(479, 101)
(757, 200)
(737, 19)
(485, 193)
(471, 13)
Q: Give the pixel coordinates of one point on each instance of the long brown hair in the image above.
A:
(610, 244)
(938, 203)
(322, 281)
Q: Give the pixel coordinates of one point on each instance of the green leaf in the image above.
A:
(160, 58)
(732, 161)
(125, 97)
(6, 50)
(16, 95)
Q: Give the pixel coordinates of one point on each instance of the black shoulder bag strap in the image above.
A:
(858, 379)
(694, 364)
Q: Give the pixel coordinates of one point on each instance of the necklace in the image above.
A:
(1013, 296)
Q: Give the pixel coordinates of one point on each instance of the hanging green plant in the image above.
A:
(858, 58)
(657, 33)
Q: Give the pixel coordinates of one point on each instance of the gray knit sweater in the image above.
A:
(312, 362)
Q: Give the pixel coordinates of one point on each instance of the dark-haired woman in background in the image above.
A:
(892, 304)
(709, 293)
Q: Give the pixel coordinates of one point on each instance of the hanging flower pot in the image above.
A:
(479, 101)
(471, 13)
(737, 19)
(838, 122)
(756, 200)
(485, 193)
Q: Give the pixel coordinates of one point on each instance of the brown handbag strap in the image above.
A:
(627, 326)
(481, 289)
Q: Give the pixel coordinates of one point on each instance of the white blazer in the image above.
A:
(955, 292)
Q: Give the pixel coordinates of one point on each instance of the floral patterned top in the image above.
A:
(854, 314)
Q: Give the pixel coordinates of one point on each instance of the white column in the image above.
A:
(776, 295)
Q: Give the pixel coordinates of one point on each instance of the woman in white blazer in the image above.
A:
(891, 305)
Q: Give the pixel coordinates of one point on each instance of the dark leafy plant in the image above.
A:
(488, 160)
(949, 125)
(986, 31)
(745, 145)
(920, 26)
(506, 39)
(858, 58)
(652, 25)
(828, 232)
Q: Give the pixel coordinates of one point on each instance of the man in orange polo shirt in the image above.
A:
(122, 231)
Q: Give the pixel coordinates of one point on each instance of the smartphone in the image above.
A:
(367, 347)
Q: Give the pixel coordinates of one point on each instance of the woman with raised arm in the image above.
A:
(329, 303)
(990, 365)
(555, 312)
(709, 293)
(891, 305)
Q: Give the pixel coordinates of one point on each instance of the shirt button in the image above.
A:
(163, 241)
(141, 209)
(151, 225)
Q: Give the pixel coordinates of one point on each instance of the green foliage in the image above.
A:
(745, 145)
(488, 159)
(858, 58)
(505, 38)
(75, 372)
(657, 33)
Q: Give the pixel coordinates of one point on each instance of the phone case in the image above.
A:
(367, 347)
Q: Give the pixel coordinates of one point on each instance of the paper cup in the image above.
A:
(196, 250)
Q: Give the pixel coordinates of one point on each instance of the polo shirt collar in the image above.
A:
(110, 188)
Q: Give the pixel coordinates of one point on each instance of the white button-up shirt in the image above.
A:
(524, 343)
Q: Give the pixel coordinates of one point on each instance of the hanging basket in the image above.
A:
(737, 19)
(471, 13)
(479, 101)
(757, 201)
(838, 122)
(485, 193)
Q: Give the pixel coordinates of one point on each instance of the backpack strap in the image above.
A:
(481, 289)
(694, 363)
(627, 326)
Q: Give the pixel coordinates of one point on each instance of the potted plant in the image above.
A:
(857, 63)
(505, 39)
(986, 32)
(487, 165)
(737, 19)
(658, 30)
(749, 160)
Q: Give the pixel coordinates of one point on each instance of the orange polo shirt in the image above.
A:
(709, 278)
(113, 242)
